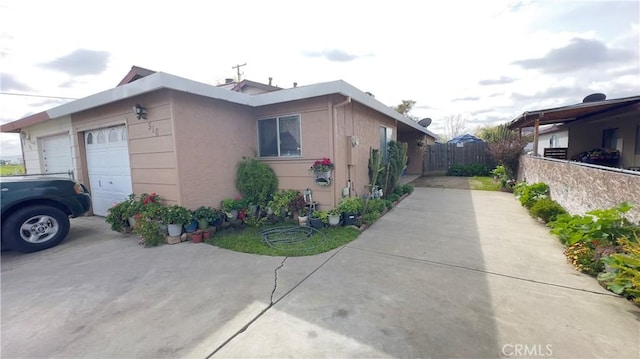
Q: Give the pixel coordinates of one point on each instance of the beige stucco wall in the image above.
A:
(357, 120)
(31, 142)
(579, 188)
(316, 142)
(415, 152)
(587, 136)
(151, 145)
(211, 136)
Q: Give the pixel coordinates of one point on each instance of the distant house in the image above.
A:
(466, 138)
(606, 124)
(182, 139)
(553, 136)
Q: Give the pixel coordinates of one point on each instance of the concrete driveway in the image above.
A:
(447, 273)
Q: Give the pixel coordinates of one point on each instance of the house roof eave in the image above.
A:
(160, 80)
(569, 113)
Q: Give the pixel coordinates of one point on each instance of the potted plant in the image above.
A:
(204, 215)
(321, 170)
(303, 216)
(196, 236)
(333, 216)
(280, 202)
(318, 219)
(350, 208)
(118, 216)
(231, 206)
(175, 217)
(297, 204)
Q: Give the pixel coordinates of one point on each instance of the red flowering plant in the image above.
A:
(323, 165)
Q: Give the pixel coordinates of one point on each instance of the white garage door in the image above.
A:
(56, 154)
(108, 167)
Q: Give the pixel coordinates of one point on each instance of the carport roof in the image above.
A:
(160, 80)
(572, 112)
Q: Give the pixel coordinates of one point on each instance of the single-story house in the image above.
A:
(600, 163)
(610, 124)
(466, 138)
(182, 139)
(553, 136)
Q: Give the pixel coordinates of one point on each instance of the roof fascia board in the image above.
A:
(144, 85)
(329, 88)
(160, 80)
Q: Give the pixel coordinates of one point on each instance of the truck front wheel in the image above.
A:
(35, 228)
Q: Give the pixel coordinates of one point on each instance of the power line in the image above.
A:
(42, 96)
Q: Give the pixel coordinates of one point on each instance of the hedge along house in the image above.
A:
(182, 139)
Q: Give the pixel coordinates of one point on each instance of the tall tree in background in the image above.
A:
(504, 146)
(454, 125)
(405, 107)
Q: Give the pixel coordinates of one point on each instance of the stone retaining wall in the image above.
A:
(580, 188)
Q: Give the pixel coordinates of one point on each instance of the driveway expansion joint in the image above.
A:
(478, 270)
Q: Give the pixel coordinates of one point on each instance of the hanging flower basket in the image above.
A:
(321, 170)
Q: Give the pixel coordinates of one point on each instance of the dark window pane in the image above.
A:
(267, 139)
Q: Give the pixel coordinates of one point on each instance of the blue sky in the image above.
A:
(485, 60)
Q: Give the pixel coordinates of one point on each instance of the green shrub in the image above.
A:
(407, 188)
(530, 194)
(353, 205)
(393, 197)
(370, 217)
(376, 205)
(625, 277)
(256, 180)
(281, 200)
(471, 170)
(504, 175)
(581, 255)
(601, 226)
(388, 204)
(547, 209)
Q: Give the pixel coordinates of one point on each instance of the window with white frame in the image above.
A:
(279, 136)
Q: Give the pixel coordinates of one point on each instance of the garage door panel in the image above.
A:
(108, 167)
(56, 154)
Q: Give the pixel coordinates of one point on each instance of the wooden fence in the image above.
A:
(440, 156)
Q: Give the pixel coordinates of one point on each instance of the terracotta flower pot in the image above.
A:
(196, 237)
(206, 235)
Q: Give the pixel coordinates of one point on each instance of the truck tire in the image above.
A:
(35, 228)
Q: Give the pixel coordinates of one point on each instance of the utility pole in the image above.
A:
(237, 67)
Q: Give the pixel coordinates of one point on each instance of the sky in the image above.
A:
(487, 61)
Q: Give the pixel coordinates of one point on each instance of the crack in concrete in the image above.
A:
(272, 303)
(275, 280)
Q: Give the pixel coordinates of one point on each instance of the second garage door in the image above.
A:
(56, 154)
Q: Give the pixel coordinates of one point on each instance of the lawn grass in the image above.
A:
(484, 183)
(249, 240)
(11, 170)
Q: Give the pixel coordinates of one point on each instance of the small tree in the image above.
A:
(405, 107)
(256, 180)
(504, 146)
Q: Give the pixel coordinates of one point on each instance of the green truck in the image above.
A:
(36, 210)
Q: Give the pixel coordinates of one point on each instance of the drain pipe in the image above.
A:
(335, 134)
